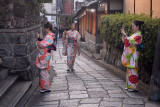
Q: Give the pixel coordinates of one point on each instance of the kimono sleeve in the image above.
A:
(136, 40)
(48, 40)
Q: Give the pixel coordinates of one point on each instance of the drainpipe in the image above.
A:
(151, 9)
(134, 6)
(108, 3)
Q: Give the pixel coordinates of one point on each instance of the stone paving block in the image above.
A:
(90, 81)
(111, 104)
(103, 80)
(88, 69)
(69, 103)
(93, 86)
(77, 92)
(90, 101)
(88, 105)
(98, 76)
(109, 99)
(77, 88)
(98, 94)
(93, 83)
(127, 105)
(108, 83)
(78, 96)
(118, 95)
(49, 103)
(109, 87)
(58, 96)
(135, 94)
(98, 68)
(60, 88)
(116, 91)
(95, 89)
(133, 101)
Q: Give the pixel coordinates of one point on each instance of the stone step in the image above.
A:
(3, 73)
(14, 95)
(6, 84)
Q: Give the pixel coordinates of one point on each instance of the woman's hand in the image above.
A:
(123, 32)
(123, 38)
(38, 35)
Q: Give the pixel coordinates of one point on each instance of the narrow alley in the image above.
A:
(90, 85)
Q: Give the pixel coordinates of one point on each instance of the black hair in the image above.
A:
(56, 28)
(48, 25)
(138, 23)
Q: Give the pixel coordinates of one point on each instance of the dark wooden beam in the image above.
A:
(65, 15)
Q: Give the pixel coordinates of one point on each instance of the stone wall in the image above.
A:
(111, 55)
(18, 14)
(18, 51)
(93, 43)
(19, 21)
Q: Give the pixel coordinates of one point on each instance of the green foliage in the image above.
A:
(111, 32)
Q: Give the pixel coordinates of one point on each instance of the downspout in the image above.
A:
(122, 5)
(108, 3)
(151, 13)
(134, 6)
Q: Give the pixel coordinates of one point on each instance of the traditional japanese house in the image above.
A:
(88, 21)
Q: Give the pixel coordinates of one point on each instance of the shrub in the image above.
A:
(111, 32)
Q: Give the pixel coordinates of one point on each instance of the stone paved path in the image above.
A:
(89, 86)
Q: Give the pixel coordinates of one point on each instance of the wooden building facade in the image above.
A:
(89, 21)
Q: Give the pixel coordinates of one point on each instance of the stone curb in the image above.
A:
(144, 88)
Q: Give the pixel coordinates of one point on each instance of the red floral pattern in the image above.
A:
(133, 79)
(126, 43)
(138, 39)
(42, 83)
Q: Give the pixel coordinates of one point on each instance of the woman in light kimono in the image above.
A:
(73, 47)
(131, 55)
(43, 58)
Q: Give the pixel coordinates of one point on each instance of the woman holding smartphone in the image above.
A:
(43, 58)
(130, 55)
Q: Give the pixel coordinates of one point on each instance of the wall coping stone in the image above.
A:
(19, 30)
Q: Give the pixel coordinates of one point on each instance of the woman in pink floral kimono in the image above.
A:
(130, 55)
(43, 58)
(72, 38)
